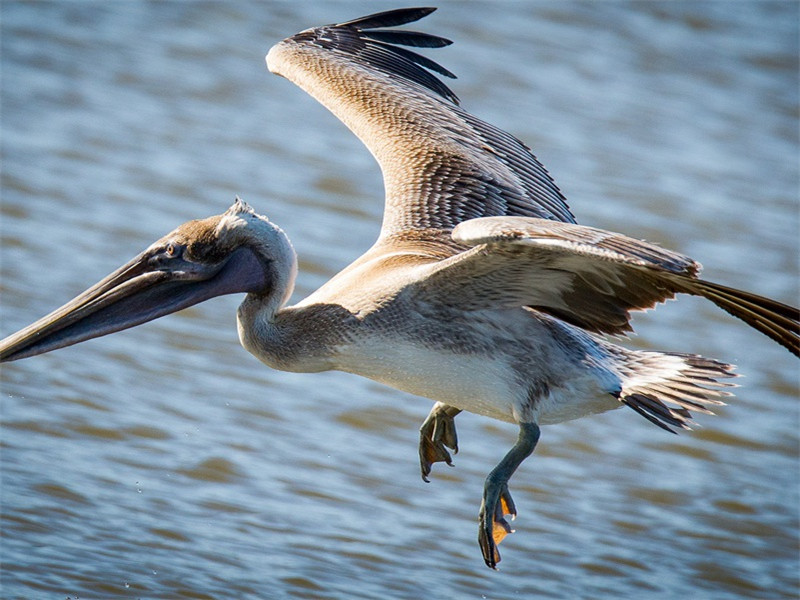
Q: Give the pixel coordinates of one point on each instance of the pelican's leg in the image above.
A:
(497, 502)
(437, 431)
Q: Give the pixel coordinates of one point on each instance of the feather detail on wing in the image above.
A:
(588, 277)
(440, 165)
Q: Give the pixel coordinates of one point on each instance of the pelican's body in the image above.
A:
(481, 292)
(487, 364)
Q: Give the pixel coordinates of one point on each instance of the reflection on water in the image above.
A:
(165, 462)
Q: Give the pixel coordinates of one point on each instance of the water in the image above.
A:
(166, 462)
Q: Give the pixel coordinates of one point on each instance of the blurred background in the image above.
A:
(166, 462)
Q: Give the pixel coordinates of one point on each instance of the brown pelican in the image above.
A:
(481, 292)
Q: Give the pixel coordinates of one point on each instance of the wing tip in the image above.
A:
(367, 40)
(389, 18)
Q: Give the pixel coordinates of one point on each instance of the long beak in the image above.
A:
(137, 292)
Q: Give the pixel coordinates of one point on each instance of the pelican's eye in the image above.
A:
(173, 250)
(167, 253)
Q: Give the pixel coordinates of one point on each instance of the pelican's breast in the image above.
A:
(470, 381)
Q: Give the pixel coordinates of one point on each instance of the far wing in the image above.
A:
(440, 165)
(586, 276)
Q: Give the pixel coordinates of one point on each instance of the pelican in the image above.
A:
(481, 292)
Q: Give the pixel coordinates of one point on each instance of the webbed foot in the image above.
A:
(496, 505)
(437, 433)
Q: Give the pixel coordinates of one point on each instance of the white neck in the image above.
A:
(257, 315)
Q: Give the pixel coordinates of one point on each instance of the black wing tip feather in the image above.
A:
(381, 47)
(389, 18)
(407, 38)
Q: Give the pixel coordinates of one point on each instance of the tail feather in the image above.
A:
(665, 388)
(657, 412)
(670, 396)
(777, 321)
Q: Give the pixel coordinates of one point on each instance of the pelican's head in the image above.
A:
(238, 251)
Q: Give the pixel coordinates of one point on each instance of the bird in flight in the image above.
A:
(481, 292)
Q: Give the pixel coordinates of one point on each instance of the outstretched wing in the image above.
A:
(586, 276)
(441, 165)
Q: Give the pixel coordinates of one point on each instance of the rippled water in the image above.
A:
(166, 462)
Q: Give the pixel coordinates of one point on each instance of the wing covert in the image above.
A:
(586, 276)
